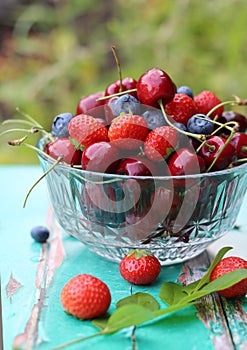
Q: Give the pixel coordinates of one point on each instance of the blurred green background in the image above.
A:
(53, 52)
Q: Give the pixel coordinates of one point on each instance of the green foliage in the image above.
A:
(59, 52)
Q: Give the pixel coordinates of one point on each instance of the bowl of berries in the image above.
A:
(147, 165)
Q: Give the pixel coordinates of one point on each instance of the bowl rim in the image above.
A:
(41, 155)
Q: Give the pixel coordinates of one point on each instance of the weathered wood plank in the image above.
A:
(210, 310)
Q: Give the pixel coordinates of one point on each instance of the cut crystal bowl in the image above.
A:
(176, 218)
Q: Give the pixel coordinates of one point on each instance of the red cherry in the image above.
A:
(101, 157)
(136, 167)
(62, 146)
(185, 162)
(239, 142)
(229, 116)
(211, 149)
(127, 84)
(90, 102)
(153, 85)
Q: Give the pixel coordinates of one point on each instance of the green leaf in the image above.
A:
(126, 316)
(100, 323)
(171, 292)
(144, 299)
(225, 281)
(206, 278)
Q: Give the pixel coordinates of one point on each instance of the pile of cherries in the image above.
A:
(209, 138)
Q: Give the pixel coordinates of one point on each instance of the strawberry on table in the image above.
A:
(85, 297)
(227, 265)
(85, 130)
(139, 267)
(128, 131)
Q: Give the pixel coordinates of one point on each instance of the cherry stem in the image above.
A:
(237, 101)
(198, 137)
(241, 160)
(116, 94)
(221, 150)
(118, 67)
(59, 159)
(216, 131)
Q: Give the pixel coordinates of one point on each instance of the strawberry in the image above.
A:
(205, 101)
(139, 267)
(160, 142)
(85, 297)
(226, 265)
(85, 130)
(181, 108)
(128, 131)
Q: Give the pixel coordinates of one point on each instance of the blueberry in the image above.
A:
(185, 90)
(60, 124)
(154, 118)
(40, 234)
(197, 125)
(126, 104)
(181, 126)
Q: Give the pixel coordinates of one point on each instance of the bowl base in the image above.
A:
(166, 255)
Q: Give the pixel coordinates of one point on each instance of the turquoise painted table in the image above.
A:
(32, 276)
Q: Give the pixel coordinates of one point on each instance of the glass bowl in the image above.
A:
(176, 218)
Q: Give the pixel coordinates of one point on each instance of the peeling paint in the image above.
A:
(51, 257)
(12, 287)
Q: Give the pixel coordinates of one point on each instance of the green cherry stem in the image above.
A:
(238, 101)
(222, 149)
(226, 125)
(59, 159)
(118, 67)
(116, 94)
(198, 137)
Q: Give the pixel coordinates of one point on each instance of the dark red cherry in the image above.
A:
(229, 116)
(211, 150)
(127, 84)
(153, 85)
(90, 102)
(136, 167)
(62, 146)
(185, 162)
(101, 157)
(239, 142)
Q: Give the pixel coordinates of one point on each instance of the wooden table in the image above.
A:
(33, 274)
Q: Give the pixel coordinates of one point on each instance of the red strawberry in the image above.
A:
(226, 265)
(181, 108)
(139, 267)
(160, 142)
(85, 297)
(128, 131)
(205, 101)
(85, 130)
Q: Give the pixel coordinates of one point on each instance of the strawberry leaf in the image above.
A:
(144, 299)
(171, 292)
(126, 316)
(100, 323)
(206, 278)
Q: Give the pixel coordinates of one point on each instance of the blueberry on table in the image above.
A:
(40, 234)
(185, 90)
(60, 124)
(200, 124)
(126, 104)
